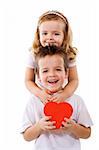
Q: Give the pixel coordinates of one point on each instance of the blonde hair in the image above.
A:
(67, 42)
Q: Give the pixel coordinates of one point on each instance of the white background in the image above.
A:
(17, 27)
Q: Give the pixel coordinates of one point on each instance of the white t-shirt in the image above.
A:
(58, 140)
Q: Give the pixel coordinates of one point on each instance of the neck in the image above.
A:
(53, 92)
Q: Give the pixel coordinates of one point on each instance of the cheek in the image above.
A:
(60, 42)
(42, 77)
(63, 77)
(42, 42)
(40, 39)
(62, 39)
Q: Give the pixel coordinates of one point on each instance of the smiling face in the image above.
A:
(52, 72)
(52, 32)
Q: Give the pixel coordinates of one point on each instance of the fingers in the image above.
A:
(52, 98)
(49, 97)
(67, 123)
(48, 92)
(50, 125)
(46, 95)
(47, 124)
(47, 118)
(56, 99)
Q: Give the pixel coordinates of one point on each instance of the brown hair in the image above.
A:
(67, 42)
(51, 50)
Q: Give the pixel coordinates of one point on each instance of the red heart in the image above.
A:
(58, 111)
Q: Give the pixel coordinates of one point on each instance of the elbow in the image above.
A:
(26, 138)
(84, 136)
(88, 134)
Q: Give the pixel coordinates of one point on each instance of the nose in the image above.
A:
(50, 37)
(50, 40)
(52, 73)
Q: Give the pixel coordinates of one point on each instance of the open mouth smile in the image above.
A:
(53, 82)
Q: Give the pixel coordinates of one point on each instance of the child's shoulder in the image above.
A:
(30, 59)
(76, 101)
(34, 100)
(75, 98)
(31, 52)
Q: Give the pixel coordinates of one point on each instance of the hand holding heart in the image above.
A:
(45, 123)
(58, 111)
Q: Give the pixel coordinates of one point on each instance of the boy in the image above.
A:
(52, 72)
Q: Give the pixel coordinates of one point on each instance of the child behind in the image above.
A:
(52, 71)
(53, 29)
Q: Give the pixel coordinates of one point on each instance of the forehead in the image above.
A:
(52, 24)
(51, 61)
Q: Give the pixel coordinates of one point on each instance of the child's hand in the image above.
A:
(58, 97)
(45, 96)
(45, 123)
(68, 124)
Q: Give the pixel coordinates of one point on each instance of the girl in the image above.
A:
(53, 29)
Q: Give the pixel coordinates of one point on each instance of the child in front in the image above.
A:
(51, 69)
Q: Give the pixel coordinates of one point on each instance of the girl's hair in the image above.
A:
(51, 50)
(67, 42)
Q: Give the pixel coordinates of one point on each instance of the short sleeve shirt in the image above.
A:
(58, 140)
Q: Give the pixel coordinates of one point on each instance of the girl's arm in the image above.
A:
(30, 82)
(32, 86)
(70, 87)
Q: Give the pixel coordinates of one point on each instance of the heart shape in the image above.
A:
(58, 111)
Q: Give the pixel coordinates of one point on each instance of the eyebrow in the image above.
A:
(43, 68)
(54, 67)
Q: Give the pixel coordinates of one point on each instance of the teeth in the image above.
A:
(53, 81)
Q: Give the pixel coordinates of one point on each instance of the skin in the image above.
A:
(52, 76)
(52, 73)
(52, 33)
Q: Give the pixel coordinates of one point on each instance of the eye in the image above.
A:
(58, 69)
(44, 71)
(57, 33)
(44, 33)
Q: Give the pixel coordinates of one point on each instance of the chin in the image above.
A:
(54, 90)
